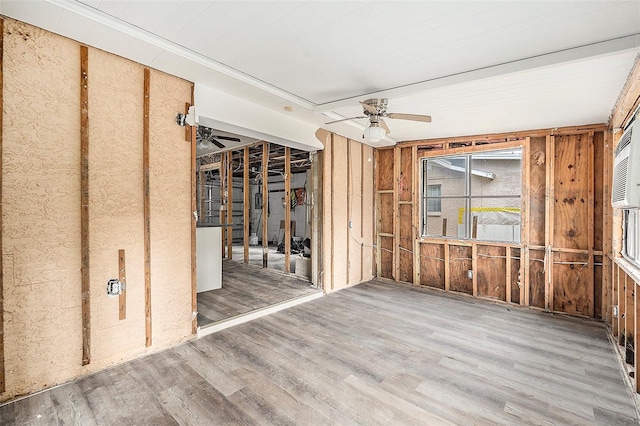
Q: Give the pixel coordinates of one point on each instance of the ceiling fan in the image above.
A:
(205, 138)
(376, 111)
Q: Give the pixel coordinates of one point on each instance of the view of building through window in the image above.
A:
(473, 196)
(631, 236)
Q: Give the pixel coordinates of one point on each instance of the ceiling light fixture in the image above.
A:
(374, 133)
(205, 144)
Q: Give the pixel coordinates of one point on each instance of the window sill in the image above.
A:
(632, 270)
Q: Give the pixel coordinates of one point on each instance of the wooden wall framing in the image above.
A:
(84, 202)
(553, 267)
(147, 209)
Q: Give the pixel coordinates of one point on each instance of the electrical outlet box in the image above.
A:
(115, 287)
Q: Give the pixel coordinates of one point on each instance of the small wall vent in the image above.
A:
(625, 192)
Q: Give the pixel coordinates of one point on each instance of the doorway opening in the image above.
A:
(254, 236)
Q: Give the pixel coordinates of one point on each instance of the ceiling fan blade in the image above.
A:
(414, 117)
(383, 125)
(370, 108)
(345, 119)
(226, 138)
(218, 143)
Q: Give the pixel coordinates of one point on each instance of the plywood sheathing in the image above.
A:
(520, 273)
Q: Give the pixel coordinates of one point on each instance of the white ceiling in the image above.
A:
(476, 67)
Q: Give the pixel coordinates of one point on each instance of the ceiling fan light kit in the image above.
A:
(376, 110)
(374, 133)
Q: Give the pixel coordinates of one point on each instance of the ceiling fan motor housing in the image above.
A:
(380, 104)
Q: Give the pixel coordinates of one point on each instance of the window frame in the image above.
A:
(468, 197)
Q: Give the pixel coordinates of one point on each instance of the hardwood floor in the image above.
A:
(377, 353)
(247, 288)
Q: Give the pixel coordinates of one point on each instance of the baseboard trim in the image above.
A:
(250, 316)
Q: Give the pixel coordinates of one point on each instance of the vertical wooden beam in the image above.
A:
(508, 275)
(622, 303)
(636, 331)
(194, 222)
(591, 224)
(615, 296)
(526, 227)
(265, 202)
(332, 210)
(2, 368)
(362, 197)
(247, 203)
(549, 220)
(606, 230)
(84, 202)
(447, 275)
(147, 210)
(397, 167)
(474, 266)
(287, 210)
(229, 227)
(415, 199)
(122, 277)
(223, 202)
(349, 196)
(524, 276)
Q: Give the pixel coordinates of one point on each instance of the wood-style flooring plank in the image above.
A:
(377, 353)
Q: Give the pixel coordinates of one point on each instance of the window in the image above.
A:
(473, 195)
(631, 236)
(434, 205)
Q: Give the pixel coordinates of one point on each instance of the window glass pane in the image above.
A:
(449, 221)
(496, 173)
(449, 173)
(495, 219)
(433, 204)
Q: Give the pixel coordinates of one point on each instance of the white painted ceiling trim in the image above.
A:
(225, 112)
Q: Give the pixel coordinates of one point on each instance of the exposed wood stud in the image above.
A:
(84, 201)
(526, 226)
(265, 203)
(362, 218)
(508, 275)
(330, 145)
(636, 334)
(447, 273)
(415, 198)
(549, 221)
(122, 277)
(397, 167)
(223, 199)
(287, 210)
(194, 211)
(590, 224)
(2, 366)
(147, 209)
(246, 188)
(349, 197)
(474, 264)
(524, 276)
(229, 228)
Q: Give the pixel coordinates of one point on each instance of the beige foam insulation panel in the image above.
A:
(347, 179)
(41, 209)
